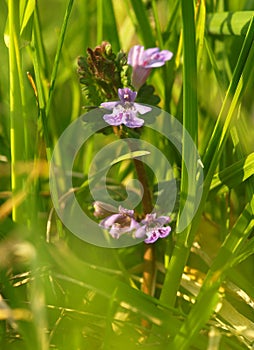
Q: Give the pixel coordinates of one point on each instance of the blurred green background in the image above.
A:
(59, 292)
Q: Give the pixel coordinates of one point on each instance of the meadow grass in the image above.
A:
(60, 292)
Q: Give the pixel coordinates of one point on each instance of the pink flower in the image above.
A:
(142, 61)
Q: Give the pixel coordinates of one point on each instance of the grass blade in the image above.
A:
(209, 296)
(190, 123)
(235, 90)
(144, 26)
(235, 174)
(58, 54)
(229, 23)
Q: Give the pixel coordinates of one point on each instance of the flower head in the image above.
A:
(125, 111)
(153, 228)
(120, 223)
(143, 60)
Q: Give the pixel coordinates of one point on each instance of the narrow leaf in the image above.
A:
(229, 23)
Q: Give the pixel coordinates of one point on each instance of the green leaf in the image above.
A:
(188, 178)
(234, 175)
(143, 23)
(110, 30)
(235, 91)
(27, 8)
(229, 23)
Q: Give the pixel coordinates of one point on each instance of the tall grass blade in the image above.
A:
(58, 54)
(229, 23)
(188, 179)
(143, 24)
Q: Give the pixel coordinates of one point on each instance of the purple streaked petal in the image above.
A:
(141, 108)
(150, 52)
(135, 55)
(131, 121)
(143, 60)
(152, 237)
(109, 105)
(158, 59)
(155, 64)
(139, 76)
(127, 95)
(110, 220)
(166, 55)
(114, 119)
(164, 231)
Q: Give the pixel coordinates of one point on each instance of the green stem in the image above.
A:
(149, 273)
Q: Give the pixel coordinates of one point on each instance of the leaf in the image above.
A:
(229, 23)
(27, 8)
(234, 175)
(109, 25)
(143, 23)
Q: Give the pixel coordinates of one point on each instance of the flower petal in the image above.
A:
(131, 120)
(127, 95)
(114, 119)
(110, 220)
(109, 105)
(139, 76)
(167, 55)
(142, 109)
(164, 231)
(116, 230)
(152, 236)
(141, 232)
(149, 218)
(162, 220)
(134, 225)
(153, 59)
(149, 52)
(135, 56)
(122, 210)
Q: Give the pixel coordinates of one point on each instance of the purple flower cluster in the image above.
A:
(125, 111)
(151, 228)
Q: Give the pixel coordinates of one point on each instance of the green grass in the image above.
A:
(60, 292)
